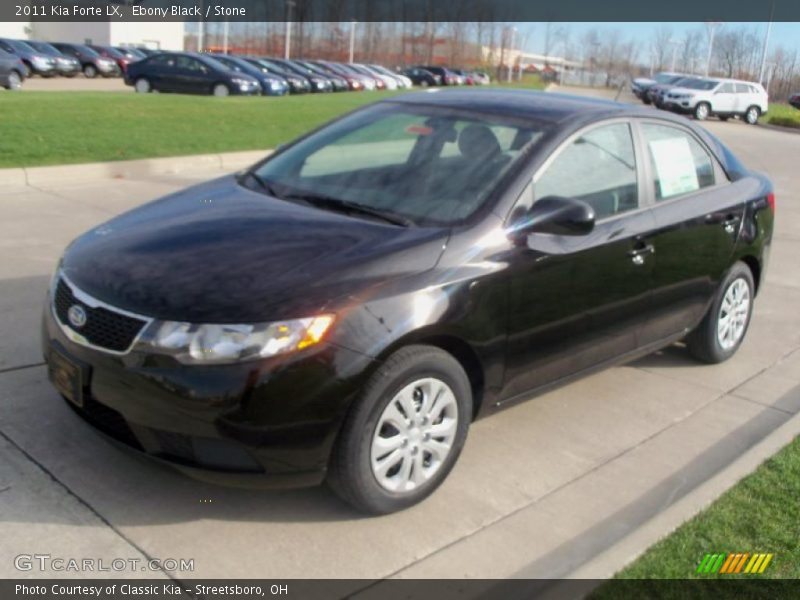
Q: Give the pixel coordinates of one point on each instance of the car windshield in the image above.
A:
(663, 77)
(114, 53)
(701, 84)
(44, 48)
(86, 50)
(213, 63)
(21, 46)
(423, 164)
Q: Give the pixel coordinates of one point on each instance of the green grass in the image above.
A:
(760, 514)
(783, 115)
(48, 128)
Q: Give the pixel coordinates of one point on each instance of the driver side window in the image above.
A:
(599, 167)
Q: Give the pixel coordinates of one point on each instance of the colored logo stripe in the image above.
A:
(734, 563)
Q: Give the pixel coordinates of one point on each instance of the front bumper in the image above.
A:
(264, 424)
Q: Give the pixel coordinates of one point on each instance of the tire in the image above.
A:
(142, 86)
(702, 111)
(14, 81)
(28, 69)
(220, 90)
(90, 71)
(646, 100)
(752, 115)
(424, 83)
(379, 468)
(707, 343)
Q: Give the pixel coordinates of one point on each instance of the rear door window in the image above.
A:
(679, 163)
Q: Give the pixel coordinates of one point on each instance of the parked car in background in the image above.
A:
(422, 77)
(338, 83)
(271, 85)
(66, 66)
(92, 64)
(132, 54)
(466, 76)
(794, 100)
(481, 78)
(318, 83)
(655, 92)
(188, 73)
(117, 56)
(12, 71)
(355, 81)
(640, 85)
(148, 51)
(446, 76)
(402, 81)
(297, 84)
(723, 98)
(36, 63)
(382, 82)
(335, 314)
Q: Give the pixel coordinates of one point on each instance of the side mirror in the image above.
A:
(557, 215)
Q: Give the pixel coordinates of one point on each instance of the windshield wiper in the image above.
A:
(345, 206)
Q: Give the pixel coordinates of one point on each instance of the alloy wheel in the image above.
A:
(142, 86)
(14, 81)
(701, 112)
(221, 90)
(733, 314)
(752, 115)
(414, 435)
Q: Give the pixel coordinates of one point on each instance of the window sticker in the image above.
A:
(675, 166)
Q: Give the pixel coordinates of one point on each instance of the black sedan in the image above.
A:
(344, 309)
(271, 84)
(794, 100)
(12, 71)
(422, 77)
(188, 73)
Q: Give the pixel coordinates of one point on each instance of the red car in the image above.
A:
(118, 57)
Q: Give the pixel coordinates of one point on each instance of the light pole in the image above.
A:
(712, 27)
(766, 45)
(288, 38)
(353, 38)
(510, 49)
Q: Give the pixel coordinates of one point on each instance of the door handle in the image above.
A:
(730, 224)
(638, 254)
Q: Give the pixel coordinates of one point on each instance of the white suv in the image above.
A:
(724, 98)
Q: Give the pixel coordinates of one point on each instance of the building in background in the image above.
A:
(162, 35)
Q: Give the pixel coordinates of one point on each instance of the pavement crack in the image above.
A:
(21, 367)
(83, 502)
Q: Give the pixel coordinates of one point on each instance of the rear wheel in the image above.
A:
(701, 111)
(221, 90)
(405, 432)
(142, 85)
(722, 330)
(752, 115)
(90, 71)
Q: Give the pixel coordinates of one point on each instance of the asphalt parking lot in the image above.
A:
(540, 490)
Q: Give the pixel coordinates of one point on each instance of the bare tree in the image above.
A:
(660, 46)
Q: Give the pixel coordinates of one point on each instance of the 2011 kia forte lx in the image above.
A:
(344, 309)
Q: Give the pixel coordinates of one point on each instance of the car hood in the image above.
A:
(682, 90)
(644, 81)
(220, 253)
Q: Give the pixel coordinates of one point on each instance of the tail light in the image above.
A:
(771, 202)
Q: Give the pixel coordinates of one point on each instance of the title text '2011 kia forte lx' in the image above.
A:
(344, 309)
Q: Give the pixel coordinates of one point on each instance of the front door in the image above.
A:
(724, 99)
(577, 301)
(698, 215)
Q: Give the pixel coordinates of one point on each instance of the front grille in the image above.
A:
(104, 328)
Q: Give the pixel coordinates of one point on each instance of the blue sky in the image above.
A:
(786, 34)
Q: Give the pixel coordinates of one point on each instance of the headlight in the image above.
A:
(275, 85)
(192, 343)
(241, 82)
(40, 61)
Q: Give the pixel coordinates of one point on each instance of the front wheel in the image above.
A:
(14, 81)
(90, 71)
(221, 90)
(701, 111)
(142, 85)
(752, 115)
(405, 432)
(722, 330)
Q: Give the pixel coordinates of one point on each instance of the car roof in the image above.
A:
(538, 106)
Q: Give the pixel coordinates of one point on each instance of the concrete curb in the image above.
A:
(795, 130)
(615, 558)
(128, 169)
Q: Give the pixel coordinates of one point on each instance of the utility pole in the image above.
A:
(766, 44)
(675, 44)
(288, 37)
(353, 38)
(712, 27)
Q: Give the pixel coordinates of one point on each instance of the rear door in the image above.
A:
(697, 226)
(577, 301)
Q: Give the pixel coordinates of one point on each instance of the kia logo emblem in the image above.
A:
(76, 315)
